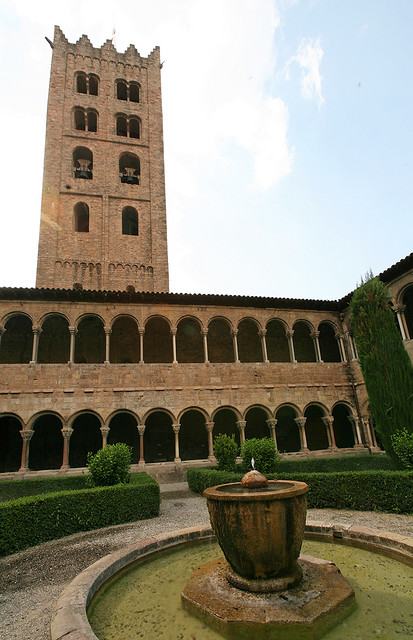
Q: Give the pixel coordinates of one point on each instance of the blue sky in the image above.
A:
(288, 136)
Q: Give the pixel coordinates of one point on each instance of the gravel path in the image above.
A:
(31, 581)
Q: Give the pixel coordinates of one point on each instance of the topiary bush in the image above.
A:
(264, 452)
(402, 442)
(110, 465)
(225, 451)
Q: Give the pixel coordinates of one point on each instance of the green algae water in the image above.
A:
(144, 601)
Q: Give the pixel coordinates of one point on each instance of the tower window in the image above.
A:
(130, 225)
(127, 90)
(129, 168)
(81, 217)
(86, 119)
(83, 163)
(87, 83)
(127, 126)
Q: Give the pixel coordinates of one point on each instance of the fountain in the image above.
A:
(263, 587)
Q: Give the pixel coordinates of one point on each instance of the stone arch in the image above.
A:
(220, 344)
(249, 342)
(287, 430)
(303, 342)
(157, 340)
(17, 339)
(277, 342)
(123, 428)
(225, 421)
(10, 442)
(193, 436)
(46, 444)
(54, 340)
(90, 341)
(158, 439)
(343, 431)
(256, 426)
(329, 348)
(86, 437)
(315, 429)
(124, 340)
(189, 341)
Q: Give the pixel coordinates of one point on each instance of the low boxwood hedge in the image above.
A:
(34, 519)
(390, 491)
(332, 465)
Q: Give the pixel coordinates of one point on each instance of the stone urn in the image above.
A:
(260, 530)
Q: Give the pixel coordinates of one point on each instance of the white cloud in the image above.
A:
(309, 57)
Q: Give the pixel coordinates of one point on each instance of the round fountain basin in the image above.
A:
(260, 532)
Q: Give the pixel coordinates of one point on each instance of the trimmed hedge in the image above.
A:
(31, 520)
(390, 491)
(333, 465)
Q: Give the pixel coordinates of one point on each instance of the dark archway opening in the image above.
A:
(277, 343)
(54, 341)
(86, 437)
(256, 426)
(249, 342)
(157, 341)
(17, 341)
(220, 346)
(90, 340)
(303, 343)
(408, 312)
(193, 436)
(225, 421)
(123, 428)
(159, 438)
(10, 444)
(288, 434)
(343, 432)
(189, 342)
(315, 428)
(46, 445)
(124, 341)
(328, 343)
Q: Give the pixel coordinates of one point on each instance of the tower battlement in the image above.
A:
(103, 219)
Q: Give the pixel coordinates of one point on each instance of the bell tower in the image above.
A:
(103, 218)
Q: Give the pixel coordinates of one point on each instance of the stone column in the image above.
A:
(205, 341)
(105, 432)
(36, 333)
(209, 426)
(141, 431)
(328, 421)
(66, 433)
(303, 438)
(262, 335)
(354, 421)
(108, 331)
(26, 435)
(271, 422)
(401, 319)
(368, 431)
(173, 334)
(73, 332)
(141, 334)
(234, 334)
(341, 348)
(315, 335)
(289, 333)
(176, 427)
(241, 424)
(350, 346)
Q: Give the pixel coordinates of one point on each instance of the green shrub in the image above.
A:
(110, 465)
(29, 521)
(332, 465)
(402, 442)
(13, 489)
(390, 491)
(225, 451)
(264, 452)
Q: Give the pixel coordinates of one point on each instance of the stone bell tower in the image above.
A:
(103, 219)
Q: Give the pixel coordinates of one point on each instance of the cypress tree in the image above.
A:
(385, 364)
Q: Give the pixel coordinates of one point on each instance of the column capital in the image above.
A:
(262, 333)
(72, 330)
(36, 328)
(241, 424)
(271, 422)
(176, 427)
(339, 336)
(209, 426)
(204, 331)
(289, 333)
(2, 329)
(104, 431)
(300, 421)
(234, 332)
(328, 420)
(173, 331)
(315, 334)
(26, 434)
(399, 308)
(66, 432)
(141, 331)
(141, 429)
(107, 330)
